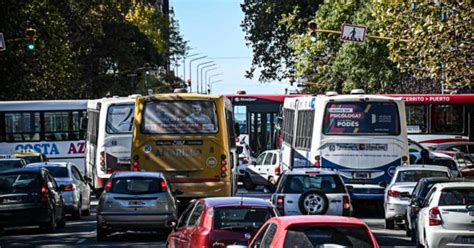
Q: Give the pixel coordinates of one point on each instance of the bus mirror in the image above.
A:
(425, 154)
(237, 129)
(84, 121)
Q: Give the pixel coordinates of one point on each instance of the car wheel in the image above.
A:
(248, 184)
(102, 233)
(313, 202)
(51, 226)
(389, 224)
(77, 214)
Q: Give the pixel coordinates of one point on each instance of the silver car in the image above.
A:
(135, 201)
(398, 192)
(77, 191)
(312, 191)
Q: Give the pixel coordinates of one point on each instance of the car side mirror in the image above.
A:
(425, 154)
(383, 184)
(61, 188)
(350, 188)
(178, 192)
(88, 179)
(254, 163)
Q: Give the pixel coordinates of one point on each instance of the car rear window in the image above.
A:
(328, 236)
(456, 197)
(19, 183)
(58, 171)
(241, 218)
(301, 183)
(10, 164)
(415, 176)
(136, 185)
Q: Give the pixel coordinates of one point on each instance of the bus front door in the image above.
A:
(262, 131)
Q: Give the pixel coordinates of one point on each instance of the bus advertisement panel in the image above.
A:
(190, 138)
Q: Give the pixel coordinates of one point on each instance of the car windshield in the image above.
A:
(58, 171)
(136, 185)
(301, 183)
(10, 164)
(32, 159)
(415, 176)
(238, 218)
(19, 183)
(328, 236)
(172, 117)
(456, 196)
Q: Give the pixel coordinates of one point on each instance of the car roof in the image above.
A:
(316, 219)
(456, 184)
(137, 174)
(422, 167)
(48, 164)
(454, 143)
(304, 171)
(10, 159)
(24, 169)
(215, 202)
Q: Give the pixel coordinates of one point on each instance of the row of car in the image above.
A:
(42, 194)
(144, 201)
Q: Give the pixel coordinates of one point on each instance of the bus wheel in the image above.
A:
(248, 184)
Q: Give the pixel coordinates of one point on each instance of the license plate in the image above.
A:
(136, 203)
(123, 161)
(361, 175)
(467, 240)
(181, 174)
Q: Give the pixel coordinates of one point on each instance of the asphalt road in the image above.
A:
(83, 232)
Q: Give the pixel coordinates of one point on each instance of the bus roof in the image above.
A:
(111, 100)
(436, 98)
(270, 97)
(43, 105)
(180, 96)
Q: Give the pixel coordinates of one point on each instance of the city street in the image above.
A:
(83, 233)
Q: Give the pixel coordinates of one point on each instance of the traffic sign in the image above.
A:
(355, 33)
(2, 43)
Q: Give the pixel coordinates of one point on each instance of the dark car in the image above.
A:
(28, 197)
(220, 221)
(418, 196)
(11, 163)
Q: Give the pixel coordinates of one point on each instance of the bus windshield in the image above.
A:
(120, 119)
(177, 117)
(376, 118)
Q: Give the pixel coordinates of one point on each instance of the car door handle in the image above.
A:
(289, 201)
(335, 200)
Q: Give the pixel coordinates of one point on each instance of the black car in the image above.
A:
(418, 196)
(30, 196)
(11, 163)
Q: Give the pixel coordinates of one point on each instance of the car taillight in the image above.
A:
(135, 163)
(44, 195)
(393, 193)
(102, 161)
(346, 202)
(223, 165)
(164, 187)
(317, 161)
(69, 187)
(108, 186)
(280, 204)
(277, 170)
(435, 217)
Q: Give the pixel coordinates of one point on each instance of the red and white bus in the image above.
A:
(439, 118)
(258, 119)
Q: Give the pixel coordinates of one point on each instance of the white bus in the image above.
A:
(109, 137)
(362, 136)
(53, 127)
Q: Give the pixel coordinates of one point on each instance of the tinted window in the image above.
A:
(268, 159)
(240, 114)
(120, 118)
(415, 176)
(260, 158)
(58, 171)
(451, 197)
(179, 117)
(417, 118)
(22, 126)
(427, 188)
(301, 183)
(10, 164)
(195, 217)
(19, 183)
(447, 119)
(361, 118)
(258, 239)
(64, 125)
(318, 236)
(241, 218)
(136, 185)
(184, 216)
(269, 235)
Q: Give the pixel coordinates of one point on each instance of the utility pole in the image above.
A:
(190, 72)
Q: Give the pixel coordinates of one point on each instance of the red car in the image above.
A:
(314, 231)
(220, 221)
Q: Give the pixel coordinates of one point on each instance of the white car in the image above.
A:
(265, 171)
(447, 216)
(398, 192)
(312, 191)
(245, 158)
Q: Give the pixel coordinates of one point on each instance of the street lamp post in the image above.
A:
(190, 72)
(208, 68)
(197, 73)
(205, 74)
(211, 76)
(184, 64)
(209, 86)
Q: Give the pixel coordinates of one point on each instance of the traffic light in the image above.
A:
(31, 38)
(189, 82)
(312, 26)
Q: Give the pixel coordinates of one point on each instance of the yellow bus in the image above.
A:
(191, 139)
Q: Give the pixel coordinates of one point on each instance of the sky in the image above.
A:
(212, 28)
